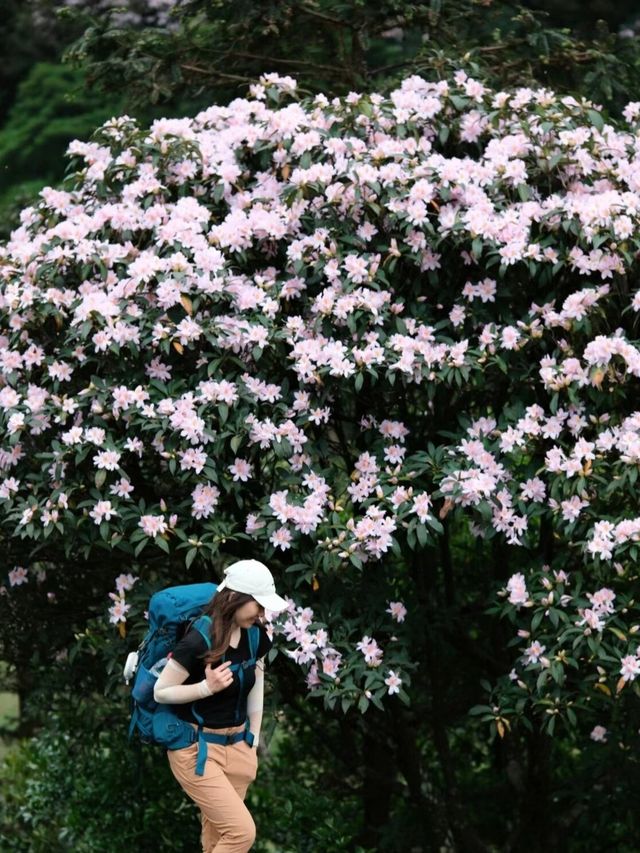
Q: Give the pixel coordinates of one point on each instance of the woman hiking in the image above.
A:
(220, 693)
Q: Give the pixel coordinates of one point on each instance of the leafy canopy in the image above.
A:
(211, 49)
(323, 332)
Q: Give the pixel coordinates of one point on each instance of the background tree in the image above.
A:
(388, 345)
(185, 56)
(215, 47)
(459, 784)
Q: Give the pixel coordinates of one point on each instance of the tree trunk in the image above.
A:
(531, 833)
(379, 771)
(24, 685)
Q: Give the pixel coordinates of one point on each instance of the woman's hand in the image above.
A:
(219, 678)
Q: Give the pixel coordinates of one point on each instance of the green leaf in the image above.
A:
(458, 102)
(376, 701)
(403, 696)
(140, 547)
(435, 524)
(596, 118)
(163, 544)
(524, 192)
(421, 533)
(618, 633)
(480, 709)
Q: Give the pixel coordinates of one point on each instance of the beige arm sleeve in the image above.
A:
(255, 702)
(170, 690)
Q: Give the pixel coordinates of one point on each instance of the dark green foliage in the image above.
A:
(86, 790)
(410, 779)
(50, 109)
(219, 47)
(28, 34)
(587, 16)
(15, 199)
(79, 787)
(302, 805)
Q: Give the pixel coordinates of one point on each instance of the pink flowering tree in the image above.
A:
(378, 342)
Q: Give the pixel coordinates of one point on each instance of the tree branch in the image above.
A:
(273, 59)
(326, 18)
(213, 72)
(384, 68)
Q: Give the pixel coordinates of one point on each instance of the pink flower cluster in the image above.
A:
(310, 647)
(119, 609)
(273, 347)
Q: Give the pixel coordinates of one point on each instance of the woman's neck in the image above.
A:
(234, 639)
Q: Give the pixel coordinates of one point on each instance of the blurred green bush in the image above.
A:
(80, 786)
(89, 792)
(298, 804)
(51, 108)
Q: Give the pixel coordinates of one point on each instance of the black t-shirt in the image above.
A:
(222, 709)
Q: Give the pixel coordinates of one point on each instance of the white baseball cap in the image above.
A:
(255, 579)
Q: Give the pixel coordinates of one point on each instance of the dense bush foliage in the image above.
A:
(84, 789)
(218, 48)
(80, 786)
(285, 321)
(388, 344)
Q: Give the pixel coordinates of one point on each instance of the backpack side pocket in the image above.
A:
(170, 731)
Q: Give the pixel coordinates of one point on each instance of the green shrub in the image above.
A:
(92, 793)
(80, 786)
(51, 109)
(15, 199)
(298, 804)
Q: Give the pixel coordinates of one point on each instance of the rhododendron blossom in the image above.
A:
(517, 589)
(18, 576)
(393, 682)
(352, 337)
(397, 610)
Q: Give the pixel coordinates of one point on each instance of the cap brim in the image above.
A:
(272, 602)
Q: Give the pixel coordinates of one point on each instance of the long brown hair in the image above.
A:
(221, 609)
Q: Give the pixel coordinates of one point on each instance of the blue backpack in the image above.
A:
(172, 612)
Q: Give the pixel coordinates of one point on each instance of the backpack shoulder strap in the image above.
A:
(203, 626)
(254, 641)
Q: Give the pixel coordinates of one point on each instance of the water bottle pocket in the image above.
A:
(143, 688)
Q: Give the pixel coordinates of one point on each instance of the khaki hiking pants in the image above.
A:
(227, 825)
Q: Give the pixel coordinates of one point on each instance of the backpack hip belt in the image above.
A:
(205, 738)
